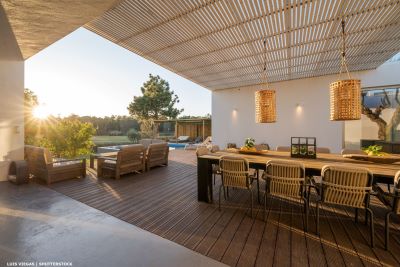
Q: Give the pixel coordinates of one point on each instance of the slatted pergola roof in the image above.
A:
(219, 44)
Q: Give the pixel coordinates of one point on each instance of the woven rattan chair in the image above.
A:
(215, 168)
(129, 159)
(200, 151)
(215, 148)
(392, 201)
(323, 150)
(283, 148)
(349, 187)
(157, 155)
(286, 179)
(235, 173)
(262, 147)
(347, 151)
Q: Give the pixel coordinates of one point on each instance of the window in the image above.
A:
(380, 119)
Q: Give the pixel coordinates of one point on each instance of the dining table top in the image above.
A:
(377, 169)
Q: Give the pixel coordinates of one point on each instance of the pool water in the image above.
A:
(177, 145)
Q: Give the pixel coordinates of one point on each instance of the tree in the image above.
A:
(133, 135)
(69, 138)
(30, 127)
(157, 101)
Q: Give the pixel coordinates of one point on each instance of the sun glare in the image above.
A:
(41, 112)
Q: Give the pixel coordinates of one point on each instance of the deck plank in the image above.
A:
(164, 201)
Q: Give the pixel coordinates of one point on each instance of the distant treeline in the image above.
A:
(114, 125)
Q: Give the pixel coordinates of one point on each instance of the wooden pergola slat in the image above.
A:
(218, 43)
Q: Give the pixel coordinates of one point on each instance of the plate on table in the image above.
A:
(385, 159)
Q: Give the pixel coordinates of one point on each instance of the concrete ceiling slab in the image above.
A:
(37, 24)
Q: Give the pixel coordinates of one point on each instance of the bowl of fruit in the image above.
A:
(374, 154)
(250, 148)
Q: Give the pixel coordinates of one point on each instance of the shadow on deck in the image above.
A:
(164, 202)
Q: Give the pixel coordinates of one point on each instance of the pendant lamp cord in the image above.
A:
(264, 77)
(343, 52)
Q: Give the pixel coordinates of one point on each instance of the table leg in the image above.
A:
(204, 180)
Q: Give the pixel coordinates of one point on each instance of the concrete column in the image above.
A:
(11, 97)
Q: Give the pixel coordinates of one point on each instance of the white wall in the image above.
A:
(11, 98)
(311, 118)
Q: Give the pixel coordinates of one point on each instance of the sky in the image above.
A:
(85, 74)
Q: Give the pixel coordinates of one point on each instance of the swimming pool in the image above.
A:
(177, 145)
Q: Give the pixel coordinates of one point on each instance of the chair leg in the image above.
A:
(227, 192)
(306, 214)
(258, 188)
(317, 223)
(251, 202)
(308, 196)
(214, 177)
(387, 229)
(366, 218)
(219, 197)
(356, 215)
(265, 205)
(372, 233)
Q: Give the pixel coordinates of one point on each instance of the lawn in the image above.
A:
(105, 140)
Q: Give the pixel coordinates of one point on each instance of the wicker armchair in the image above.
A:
(129, 159)
(262, 146)
(283, 148)
(157, 155)
(392, 201)
(286, 179)
(235, 173)
(349, 187)
(42, 166)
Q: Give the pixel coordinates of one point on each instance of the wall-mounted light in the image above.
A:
(299, 108)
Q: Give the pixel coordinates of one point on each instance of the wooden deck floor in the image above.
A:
(164, 202)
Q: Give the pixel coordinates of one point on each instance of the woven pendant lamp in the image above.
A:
(265, 99)
(265, 106)
(345, 95)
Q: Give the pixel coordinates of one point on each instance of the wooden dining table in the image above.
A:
(383, 173)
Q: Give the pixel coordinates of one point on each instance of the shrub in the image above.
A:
(69, 138)
(133, 135)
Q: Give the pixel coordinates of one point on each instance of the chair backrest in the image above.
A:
(39, 160)
(262, 147)
(396, 202)
(158, 151)
(323, 150)
(207, 140)
(285, 178)
(215, 148)
(235, 171)
(283, 148)
(346, 186)
(347, 151)
(201, 151)
(131, 154)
